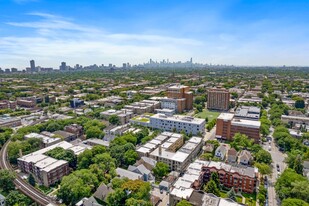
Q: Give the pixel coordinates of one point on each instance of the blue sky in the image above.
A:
(264, 32)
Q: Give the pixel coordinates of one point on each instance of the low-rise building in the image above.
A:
(241, 178)
(5, 104)
(178, 123)
(221, 151)
(46, 140)
(28, 102)
(245, 157)
(74, 129)
(67, 136)
(124, 115)
(245, 112)
(47, 169)
(2, 200)
(183, 188)
(145, 106)
(7, 121)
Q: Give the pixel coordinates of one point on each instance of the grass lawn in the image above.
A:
(206, 113)
(250, 199)
(224, 195)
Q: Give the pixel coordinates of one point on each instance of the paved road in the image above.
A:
(210, 135)
(278, 158)
(22, 185)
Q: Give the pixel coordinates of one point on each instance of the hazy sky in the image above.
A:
(248, 32)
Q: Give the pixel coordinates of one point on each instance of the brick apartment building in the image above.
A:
(5, 104)
(218, 99)
(28, 102)
(243, 179)
(228, 126)
(179, 98)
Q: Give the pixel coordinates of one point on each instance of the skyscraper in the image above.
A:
(63, 66)
(32, 65)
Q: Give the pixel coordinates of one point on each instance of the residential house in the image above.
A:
(2, 200)
(221, 151)
(141, 169)
(102, 192)
(245, 157)
(91, 201)
(231, 155)
(209, 148)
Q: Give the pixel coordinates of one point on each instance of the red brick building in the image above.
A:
(182, 96)
(228, 126)
(243, 179)
(218, 99)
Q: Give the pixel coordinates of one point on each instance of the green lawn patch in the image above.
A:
(206, 113)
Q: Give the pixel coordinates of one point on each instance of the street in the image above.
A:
(278, 158)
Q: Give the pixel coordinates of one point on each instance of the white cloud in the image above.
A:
(59, 39)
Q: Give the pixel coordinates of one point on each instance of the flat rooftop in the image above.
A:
(178, 118)
(246, 123)
(226, 116)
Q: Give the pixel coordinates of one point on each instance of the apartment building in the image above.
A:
(5, 104)
(145, 106)
(28, 102)
(228, 126)
(124, 115)
(7, 121)
(241, 178)
(246, 112)
(177, 123)
(74, 129)
(46, 140)
(179, 98)
(170, 149)
(183, 188)
(76, 102)
(218, 99)
(47, 169)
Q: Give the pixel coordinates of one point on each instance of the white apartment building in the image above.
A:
(178, 123)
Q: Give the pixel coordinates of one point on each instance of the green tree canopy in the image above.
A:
(161, 169)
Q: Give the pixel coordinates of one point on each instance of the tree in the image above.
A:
(241, 141)
(299, 103)
(184, 203)
(231, 194)
(53, 126)
(138, 189)
(130, 157)
(294, 202)
(264, 169)
(6, 180)
(262, 195)
(31, 180)
(134, 202)
(288, 185)
(77, 185)
(117, 198)
(263, 156)
(94, 132)
(211, 187)
(298, 165)
(17, 198)
(161, 169)
(215, 177)
(114, 119)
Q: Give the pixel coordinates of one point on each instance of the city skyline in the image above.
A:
(258, 33)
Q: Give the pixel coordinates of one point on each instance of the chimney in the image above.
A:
(20, 153)
(160, 150)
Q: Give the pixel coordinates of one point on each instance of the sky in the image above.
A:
(233, 32)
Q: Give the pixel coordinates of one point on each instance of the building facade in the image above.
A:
(228, 126)
(178, 123)
(179, 98)
(218, 99)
